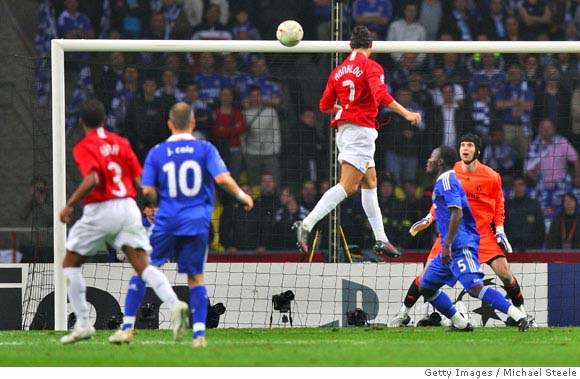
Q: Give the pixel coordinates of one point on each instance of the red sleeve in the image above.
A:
(329, 96)
(376, 79)
(499, 217)
(86, 162)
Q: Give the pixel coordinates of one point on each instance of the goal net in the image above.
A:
(283, 157)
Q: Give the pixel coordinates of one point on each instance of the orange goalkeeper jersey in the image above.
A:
(485, 195)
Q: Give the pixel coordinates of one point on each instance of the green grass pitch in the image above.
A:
(303, 347)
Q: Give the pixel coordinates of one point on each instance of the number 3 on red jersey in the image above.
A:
(121, 190)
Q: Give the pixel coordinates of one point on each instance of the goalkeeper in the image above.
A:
(485, 195)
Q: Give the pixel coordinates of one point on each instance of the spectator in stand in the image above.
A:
(211, 28)
(574, 136)
(210, 83)
(413, 207)
(493, 23)
(106, 77)
(569, 74)
(228, 127)
(501, 156)
(564, 233)
(148, 209)
(262, 142)
(243, 28)
(238, 228)
(421, 96)
(548, 158)
(391, 208)
(156, 26)
(125, 91)
(374, 14)
(169, 86)
(147, 116)
(308, 195)
(512, 28)
(430, 17)
(402, 141)
(535, 16)
(459, 23)
(38, 212)
(73, 24)
(176, 24)
(450, 120)
(193, 10)
(271, 95)
(407, 29)
(289, 212)
(130, 17)
(305, 149)
(400, 76)
(553, 101)
(571, 31)
(201, 110)
(533, 71)
(439, 79)
(515, 102)
(524, 218)
(482, 112)
(266, 206)
(489, 74)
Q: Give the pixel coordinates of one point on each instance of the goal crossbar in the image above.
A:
(59, 46)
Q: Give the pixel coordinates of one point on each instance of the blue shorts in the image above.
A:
(464, 267)
(191, 251)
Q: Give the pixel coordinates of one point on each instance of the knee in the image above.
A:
(350, 189)
(427, 293)
(474, 292)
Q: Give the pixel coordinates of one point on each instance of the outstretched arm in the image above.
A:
(228, 184)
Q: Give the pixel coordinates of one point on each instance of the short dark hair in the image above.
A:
(92, 113)
(449, 155)
(473, 138)
(360, 38)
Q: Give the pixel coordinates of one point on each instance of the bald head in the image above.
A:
(181, 115)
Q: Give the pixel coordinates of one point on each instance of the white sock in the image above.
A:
(159, 283)
(404, 310)
(515, 313)
(327, 203)
(77, 294)
(370, 203)
(458, 321)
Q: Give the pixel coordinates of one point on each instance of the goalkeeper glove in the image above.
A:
(502, 240)
(422, 224)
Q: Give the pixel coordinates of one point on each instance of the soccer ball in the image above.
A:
(289, 33)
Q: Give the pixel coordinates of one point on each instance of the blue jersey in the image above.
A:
(447, 193)
(183, 170)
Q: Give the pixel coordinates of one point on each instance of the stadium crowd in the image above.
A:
(526, 108)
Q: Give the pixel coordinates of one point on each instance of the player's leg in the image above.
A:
(370, 203)
(435, 276)
(161, 286)
(350, 179)
(192, 255)
(466, 268)
(85, 237)
(502, 269)
(135, 295)
(413, 293)
(77, 290)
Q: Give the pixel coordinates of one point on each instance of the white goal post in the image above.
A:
(59, 47)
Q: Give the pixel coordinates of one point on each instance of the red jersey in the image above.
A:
(485, 195)
(359, 84)
(112, 157)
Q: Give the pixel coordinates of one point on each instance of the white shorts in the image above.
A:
(356, 145)
(115, 222)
